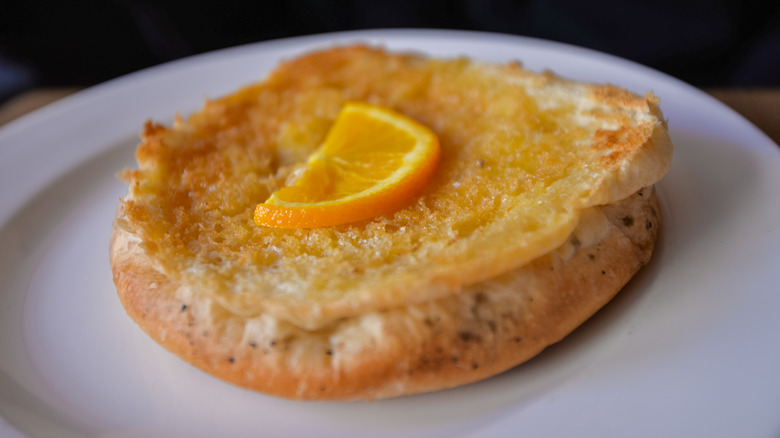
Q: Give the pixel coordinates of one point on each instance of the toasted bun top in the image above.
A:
(522, 155)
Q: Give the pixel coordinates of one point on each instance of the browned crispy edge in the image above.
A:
(461, 339)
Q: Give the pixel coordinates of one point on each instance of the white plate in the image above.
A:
(690, 348)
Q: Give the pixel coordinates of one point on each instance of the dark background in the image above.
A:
(43, 43)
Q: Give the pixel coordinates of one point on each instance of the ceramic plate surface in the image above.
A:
(689, 348)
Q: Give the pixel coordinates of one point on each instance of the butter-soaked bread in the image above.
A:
(518, 238)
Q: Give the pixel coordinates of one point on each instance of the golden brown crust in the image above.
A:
(485, 329)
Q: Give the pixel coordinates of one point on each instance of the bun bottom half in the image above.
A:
(483, 330)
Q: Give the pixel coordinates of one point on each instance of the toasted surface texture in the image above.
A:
(499, 256)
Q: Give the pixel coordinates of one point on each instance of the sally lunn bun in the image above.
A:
(541, 210)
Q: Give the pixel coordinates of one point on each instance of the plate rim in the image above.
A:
(763, 144)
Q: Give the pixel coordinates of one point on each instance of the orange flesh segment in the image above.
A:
(373, 162)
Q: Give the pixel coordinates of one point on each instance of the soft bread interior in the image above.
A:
(484, 329)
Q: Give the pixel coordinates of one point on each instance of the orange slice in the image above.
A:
(373, 161)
